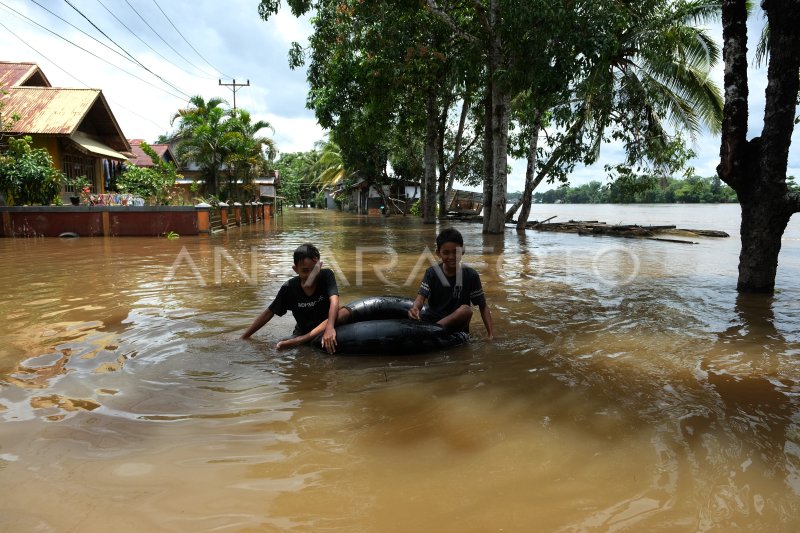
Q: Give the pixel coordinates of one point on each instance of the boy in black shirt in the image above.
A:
(313, 298)
(451, 289)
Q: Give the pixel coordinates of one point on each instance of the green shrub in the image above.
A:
(156, 184)
(416, 209)
(27, 175)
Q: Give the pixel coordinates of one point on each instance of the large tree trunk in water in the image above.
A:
(756, 169)
(502, 102)
(431, 134)
(761, 231)
(527, 194)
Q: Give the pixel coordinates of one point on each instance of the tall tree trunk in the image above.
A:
(488, 159)
(431, 134)
(212, 185)
(501, 102)
(442, 181)
(500, 122)
(756, 169)
(527, 194)
(451, 177)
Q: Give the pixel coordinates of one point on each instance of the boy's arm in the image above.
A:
(303, 339)
(486, 315)
(413, 313)
(329, 337)
(258, 323)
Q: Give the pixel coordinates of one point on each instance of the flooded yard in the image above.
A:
(629, 387)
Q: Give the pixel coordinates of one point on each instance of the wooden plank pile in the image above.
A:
(596, 228)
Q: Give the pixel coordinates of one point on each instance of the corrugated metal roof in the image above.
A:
(59, 111)
(48, 110)
(141, 159)
(95, 147)
(12, 74)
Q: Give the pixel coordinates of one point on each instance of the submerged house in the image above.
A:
(364, 198)
(75, 126)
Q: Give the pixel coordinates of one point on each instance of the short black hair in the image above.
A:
(449, 235)
(305, 251)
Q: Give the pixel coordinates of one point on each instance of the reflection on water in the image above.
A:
(629, 388)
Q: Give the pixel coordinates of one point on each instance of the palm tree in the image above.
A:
(657, 79)
(248, 151)
(330, 169)
(652, 84)
(205, 137)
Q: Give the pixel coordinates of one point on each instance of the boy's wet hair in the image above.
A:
(305, 251)
(449, 235)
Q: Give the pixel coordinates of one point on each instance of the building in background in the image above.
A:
(75, 126)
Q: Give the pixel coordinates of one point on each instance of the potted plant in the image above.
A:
(78, 184)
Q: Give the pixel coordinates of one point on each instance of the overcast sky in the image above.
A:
(223, 40)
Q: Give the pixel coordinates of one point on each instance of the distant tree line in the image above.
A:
(691, 190)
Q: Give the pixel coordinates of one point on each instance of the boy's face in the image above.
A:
(304, 269)
(450, 253)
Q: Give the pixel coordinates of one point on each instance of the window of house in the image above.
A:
(75, 165)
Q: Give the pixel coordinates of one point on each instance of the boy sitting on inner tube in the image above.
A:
(451, 288)
(313, 298)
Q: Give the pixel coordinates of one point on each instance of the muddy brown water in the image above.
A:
(629, 387)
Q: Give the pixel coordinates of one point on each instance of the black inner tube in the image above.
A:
(380, 325)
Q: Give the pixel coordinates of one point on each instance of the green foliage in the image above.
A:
(27, 175)
(305, 175)
(295, 177)
(635, 73)
(225, 144)
(155, 184)
(6, 122)
(319, 199)
(691, 190)
(416, 209)
(78, 183)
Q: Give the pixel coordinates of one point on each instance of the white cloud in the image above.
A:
(233, 39)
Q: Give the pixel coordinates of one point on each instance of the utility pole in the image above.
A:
(235, 87)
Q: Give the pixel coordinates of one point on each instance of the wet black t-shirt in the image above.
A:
(445, 295)
(308, 311)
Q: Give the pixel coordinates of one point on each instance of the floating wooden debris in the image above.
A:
(596, 228)
(464, 204)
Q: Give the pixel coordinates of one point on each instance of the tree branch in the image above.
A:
(447, 19)
(782, 88)
(459, 156)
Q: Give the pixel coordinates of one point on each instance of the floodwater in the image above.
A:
(629, 387)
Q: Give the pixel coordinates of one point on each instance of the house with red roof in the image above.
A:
(75, 126)
(141, 159)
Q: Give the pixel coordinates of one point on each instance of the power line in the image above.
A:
(148, 46)
(95, 26)
(123, 56)
(187, 42)
(14, 11)
(56, 65)
(80, 30)
(160, 37)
